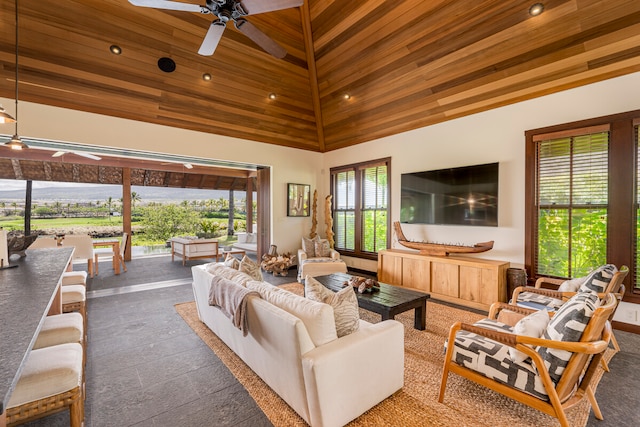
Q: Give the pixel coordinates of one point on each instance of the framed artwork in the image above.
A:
(298, 199)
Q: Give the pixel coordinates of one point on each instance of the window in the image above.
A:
(582, 192)
(572, 197)
(360, 208)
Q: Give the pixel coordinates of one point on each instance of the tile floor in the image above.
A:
(147, 368)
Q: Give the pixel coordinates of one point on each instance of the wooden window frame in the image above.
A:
(621, 206)
(357, 168)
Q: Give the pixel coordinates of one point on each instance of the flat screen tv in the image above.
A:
(456, 196)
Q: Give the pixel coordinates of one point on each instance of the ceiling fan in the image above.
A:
(77, 153)
(229, 10)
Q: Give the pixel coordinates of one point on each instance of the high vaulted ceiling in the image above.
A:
(405, 63)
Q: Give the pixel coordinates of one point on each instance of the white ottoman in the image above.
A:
(320, 267)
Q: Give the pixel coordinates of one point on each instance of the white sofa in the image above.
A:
(247, 242)
(328, 381)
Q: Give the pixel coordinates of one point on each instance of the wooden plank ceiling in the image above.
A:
(405, 63)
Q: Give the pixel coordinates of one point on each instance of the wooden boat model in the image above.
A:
(440, 249)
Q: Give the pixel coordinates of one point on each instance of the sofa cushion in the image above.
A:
(599, 279)
(231, 261)
(572, 285)
(322, 248)
(251, 268)
(344, 303)
(532, 325)
(219, 269)
(317, 317)
(567, 324)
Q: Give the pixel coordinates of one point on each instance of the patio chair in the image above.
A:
(558, 366)
(115, 257)
(83, 248)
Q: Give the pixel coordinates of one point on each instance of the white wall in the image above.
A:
(492, 136)
(496, 135)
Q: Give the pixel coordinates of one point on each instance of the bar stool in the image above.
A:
(62, 329)
(50, 382)
(74, 278)
(74, 298)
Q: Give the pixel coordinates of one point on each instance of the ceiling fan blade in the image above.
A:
(170, 5)
(77, 153)
(254, 7)
(212, 38)
(260, 38)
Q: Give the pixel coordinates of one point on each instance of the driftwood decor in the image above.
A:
(329, 220)
(314, 213)
(440, 249)
(278, 265)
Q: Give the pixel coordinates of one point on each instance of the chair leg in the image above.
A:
(604, 364)
(95, 262)
(614, 341)
(594, 404)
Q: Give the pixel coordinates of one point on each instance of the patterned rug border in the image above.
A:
(465, 403)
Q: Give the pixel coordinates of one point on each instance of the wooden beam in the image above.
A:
(313, 72)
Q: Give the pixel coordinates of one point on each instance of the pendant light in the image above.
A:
(16, 143)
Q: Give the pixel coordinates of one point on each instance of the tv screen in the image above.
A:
(456, 196)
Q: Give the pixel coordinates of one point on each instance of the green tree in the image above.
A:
(163, 222)
(135, 198)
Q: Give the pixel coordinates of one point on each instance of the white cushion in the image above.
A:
(74, 278)
(344, 303)
(308, 246)
(231, 261)
(532, 325)
(572, 285)
(73, 293)
(60, 329)
(322, 248)
(317, 317)
(48, 371)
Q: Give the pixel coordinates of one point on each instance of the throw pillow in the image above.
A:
(599, 279)
(532, 325)
(322, 248)
(572, 285)
(308, 246)
(231, 261)
(567, 324)
(251, 268)
(344, 303)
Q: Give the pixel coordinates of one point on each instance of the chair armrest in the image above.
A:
(302, 255)
(335, 254)
(547, 280)
(497, 307)
(546, 292)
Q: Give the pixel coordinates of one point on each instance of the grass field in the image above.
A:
(17, 223)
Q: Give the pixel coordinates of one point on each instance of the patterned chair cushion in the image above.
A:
(599, 279)
(567, 324)
(492, 359)
(539, 302)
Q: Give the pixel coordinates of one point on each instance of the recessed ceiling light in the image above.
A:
(115, 49)
(346, 96)
(206, 77)
(536, 9)
(272, 95)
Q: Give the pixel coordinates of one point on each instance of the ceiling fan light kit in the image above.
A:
(167, 65)
(229, 10)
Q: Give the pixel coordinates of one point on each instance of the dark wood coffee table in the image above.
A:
(388, 301)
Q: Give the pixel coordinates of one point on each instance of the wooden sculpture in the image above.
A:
(440, 249)
(314, 215)
(329, 220)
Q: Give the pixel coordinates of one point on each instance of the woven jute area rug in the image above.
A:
(465, 403)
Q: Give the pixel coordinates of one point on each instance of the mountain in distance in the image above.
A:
(84, 193)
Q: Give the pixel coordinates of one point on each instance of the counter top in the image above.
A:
(26, 294)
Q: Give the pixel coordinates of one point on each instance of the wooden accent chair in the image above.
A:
(538, 297)
(556, 373)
